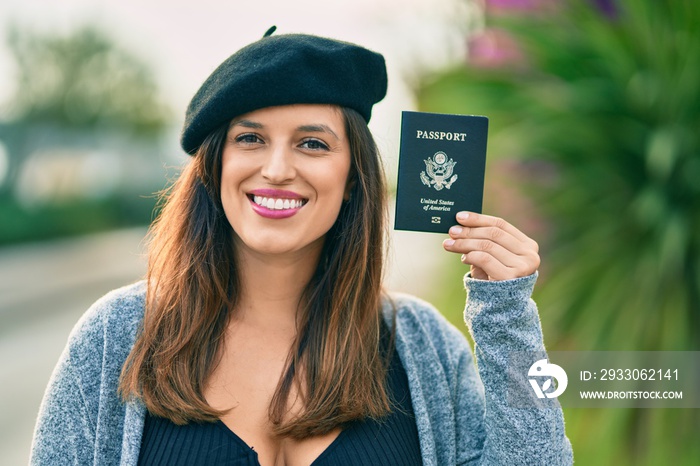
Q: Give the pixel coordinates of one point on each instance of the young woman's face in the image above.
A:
(284, 176)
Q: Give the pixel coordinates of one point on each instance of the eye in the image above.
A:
(314, 144)
(248, 138)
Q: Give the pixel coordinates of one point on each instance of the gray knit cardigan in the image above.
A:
(462, 414)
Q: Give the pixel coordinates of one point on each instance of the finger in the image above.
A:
(493, 258)
(501, 254)
(497, 235)
(472, 219)
(493, 268)
(489, 266)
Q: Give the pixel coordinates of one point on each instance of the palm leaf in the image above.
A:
(605, 124)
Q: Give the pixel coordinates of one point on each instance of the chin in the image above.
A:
(269, 244)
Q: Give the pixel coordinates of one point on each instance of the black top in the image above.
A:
(393, 440)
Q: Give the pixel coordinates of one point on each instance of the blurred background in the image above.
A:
(594, 150)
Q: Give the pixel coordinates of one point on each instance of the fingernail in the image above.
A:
(455, 230)
(463, 215)
(448, 242)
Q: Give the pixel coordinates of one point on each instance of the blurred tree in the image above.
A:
(77, 93)
(83, 80)
(602, 97)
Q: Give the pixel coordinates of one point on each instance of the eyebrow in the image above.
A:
(316, 128)
(246, 124)
(320, 128)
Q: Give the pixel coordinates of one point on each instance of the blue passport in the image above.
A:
(442, 161)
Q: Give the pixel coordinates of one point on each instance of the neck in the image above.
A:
(272, 285)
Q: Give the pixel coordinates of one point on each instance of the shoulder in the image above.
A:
(413, 311)
(109, 325)
(118, 308)
(421, 326)
(81, 398)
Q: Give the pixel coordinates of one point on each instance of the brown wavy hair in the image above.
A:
(193, 285)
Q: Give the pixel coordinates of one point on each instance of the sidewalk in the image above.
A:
(35, 275)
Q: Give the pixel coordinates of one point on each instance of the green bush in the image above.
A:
(77, 217)
(601, 110)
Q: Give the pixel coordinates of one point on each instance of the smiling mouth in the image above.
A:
(277, 203)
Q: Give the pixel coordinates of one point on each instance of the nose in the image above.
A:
(278, 166)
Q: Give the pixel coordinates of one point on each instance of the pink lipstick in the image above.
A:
(275, 203)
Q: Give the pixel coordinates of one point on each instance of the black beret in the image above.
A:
(283, 70)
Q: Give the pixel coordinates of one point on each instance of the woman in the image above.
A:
(261, 335)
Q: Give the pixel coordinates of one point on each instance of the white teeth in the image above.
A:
(277, 204)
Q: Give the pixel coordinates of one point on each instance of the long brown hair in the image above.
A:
(192, 287)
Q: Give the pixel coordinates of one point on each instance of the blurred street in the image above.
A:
(46, 287)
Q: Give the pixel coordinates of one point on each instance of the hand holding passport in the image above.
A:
(441, 169)
(441, 174)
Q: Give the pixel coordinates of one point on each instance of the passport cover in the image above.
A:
(442, 159)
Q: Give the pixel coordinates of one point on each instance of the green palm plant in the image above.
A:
(608, 102)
